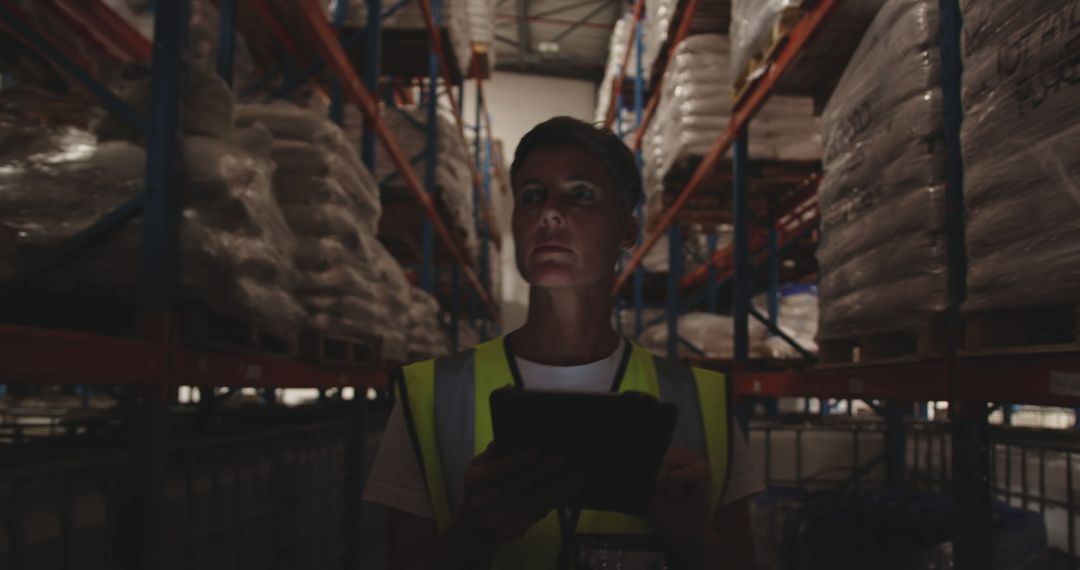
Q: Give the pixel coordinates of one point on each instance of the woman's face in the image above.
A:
(569, 221)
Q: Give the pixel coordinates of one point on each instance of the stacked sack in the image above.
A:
(398, 298)
(426, 337)
(710, 17)
(882, 251)
(236, 250)
(694, 110)
(453, 176)
(332, 205)
(451, 15)
(1021, 153)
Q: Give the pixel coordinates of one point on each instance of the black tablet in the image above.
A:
(615, 441)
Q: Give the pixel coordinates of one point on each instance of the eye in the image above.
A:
(530, 196)
(583, 192)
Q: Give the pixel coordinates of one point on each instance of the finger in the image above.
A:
(529, 509)
(494, 493)
(494, 470)
(697, 472)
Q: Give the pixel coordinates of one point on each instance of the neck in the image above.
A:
(567, 326)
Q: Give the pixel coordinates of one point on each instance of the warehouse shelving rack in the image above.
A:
(974, 383)
(147, 370)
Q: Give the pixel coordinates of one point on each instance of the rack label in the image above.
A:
(1065, 383)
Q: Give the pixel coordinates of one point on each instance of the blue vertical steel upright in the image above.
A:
(358, 446)
(478, 160)
(639, 94)
(773, 301)
(159, 270)
(742, 288)
(431, 155)
(226, 39)
(337, 95)
(485, 243)
(972, 493)
(711, 301)
(372, 61)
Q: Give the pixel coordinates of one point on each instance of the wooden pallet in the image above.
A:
(322, 348)
(929, 340)
(1047, 327)
(204, 328)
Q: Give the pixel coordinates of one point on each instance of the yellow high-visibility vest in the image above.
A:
(446, 407)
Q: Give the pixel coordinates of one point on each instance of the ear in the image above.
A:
(630, 233)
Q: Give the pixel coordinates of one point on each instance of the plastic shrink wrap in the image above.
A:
(331, 203)
(694, 111)
(452, 15)
(757, 24)
(752, 26)
(236, 250)
(882, 251)
(453, 178)
(426, 337)
(1021, 148)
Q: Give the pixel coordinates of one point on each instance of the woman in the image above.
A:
(452, 504)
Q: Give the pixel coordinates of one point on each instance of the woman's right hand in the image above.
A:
(506, 496)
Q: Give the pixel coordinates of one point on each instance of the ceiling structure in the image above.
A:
(562, 38)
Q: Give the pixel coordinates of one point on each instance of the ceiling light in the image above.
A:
(547, 47)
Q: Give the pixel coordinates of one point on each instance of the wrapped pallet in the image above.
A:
(759, 25)
(1021, 149)
(451, 15)
(454, 194)
(695, 109)
(332, 205)
(236, 250)
(882, 251)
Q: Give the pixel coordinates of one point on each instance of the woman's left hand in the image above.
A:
(680, 501)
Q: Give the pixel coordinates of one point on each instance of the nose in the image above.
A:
(551, 214)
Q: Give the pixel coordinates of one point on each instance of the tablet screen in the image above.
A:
(615, 442)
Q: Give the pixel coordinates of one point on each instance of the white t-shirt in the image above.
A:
(395, 480)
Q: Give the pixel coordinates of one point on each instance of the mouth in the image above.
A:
(551, 246)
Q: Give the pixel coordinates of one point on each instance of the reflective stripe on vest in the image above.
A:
(446, 407)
